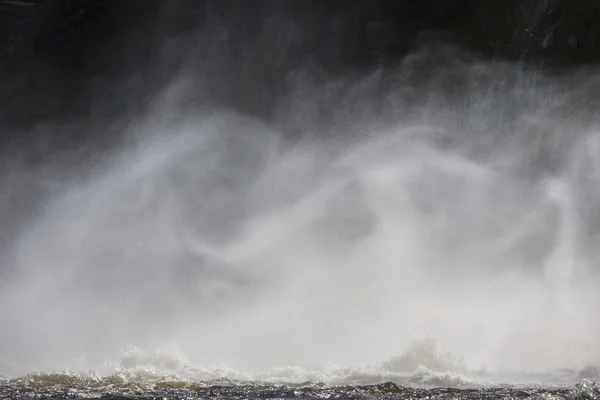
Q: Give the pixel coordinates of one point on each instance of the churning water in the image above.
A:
(436, 224)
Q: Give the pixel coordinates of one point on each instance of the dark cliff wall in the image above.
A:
(555, 31)
(18, 19)
(61, 58)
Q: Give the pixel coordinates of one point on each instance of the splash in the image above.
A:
(425, 353)
(461, 209)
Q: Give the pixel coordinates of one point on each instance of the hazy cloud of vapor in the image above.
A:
(447, 198)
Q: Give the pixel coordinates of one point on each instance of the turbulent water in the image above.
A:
(431, 226)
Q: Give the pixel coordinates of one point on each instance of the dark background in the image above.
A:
(96, 58)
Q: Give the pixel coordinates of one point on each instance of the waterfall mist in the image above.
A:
(447, 198)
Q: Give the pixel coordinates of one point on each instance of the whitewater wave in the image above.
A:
(421, 365)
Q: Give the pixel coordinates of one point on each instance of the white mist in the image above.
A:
(460, 210)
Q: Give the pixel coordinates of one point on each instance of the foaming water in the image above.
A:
(461, 210)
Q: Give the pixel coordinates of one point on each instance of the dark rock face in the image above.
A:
(340, 35)
(75, 53)
(17, 19)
